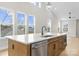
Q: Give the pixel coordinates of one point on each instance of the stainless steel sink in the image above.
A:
(48, 35)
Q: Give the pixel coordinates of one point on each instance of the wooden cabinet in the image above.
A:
(60, 45)
(52, 48)
(18, 49)
(56, 46)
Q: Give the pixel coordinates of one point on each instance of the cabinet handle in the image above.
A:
(54, 46)
(13, 46)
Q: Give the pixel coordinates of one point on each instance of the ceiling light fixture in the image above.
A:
(49, 5)
(69, 15)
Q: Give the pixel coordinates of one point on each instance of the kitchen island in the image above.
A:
(26, 45)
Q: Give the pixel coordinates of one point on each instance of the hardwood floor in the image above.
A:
(72, 48)
(4, 52)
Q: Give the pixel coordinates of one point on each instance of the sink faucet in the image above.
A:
(42, 30)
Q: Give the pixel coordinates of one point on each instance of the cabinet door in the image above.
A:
(51, 49)
(56, 47)
(11, 51)
(18, 49)
(21, 49)
(61, 44)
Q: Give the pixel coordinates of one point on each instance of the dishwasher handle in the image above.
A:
(40, 45)
(43, 44)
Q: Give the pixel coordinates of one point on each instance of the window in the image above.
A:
(31, 22)
(20, 23)
(7, 23)
(6, 26)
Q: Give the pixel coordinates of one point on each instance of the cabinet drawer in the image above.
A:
(52, 40)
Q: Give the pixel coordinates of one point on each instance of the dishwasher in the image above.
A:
(39, 48)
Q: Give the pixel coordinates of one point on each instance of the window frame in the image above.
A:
(25, 22)
(34, 24)
(10, 13)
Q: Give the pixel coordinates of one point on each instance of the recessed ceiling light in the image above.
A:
(55, 8)
(49, 7)
(65, 9)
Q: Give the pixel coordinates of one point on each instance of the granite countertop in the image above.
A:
(32, 38)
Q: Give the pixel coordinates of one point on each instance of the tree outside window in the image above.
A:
(6, 22)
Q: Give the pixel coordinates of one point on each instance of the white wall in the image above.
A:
(77, 28)
(72, 28)
(3, 44)
(54, 21)
(54, 27)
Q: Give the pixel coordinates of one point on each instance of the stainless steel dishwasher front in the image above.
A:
(39, 48)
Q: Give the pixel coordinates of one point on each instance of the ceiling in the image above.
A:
(62, 9)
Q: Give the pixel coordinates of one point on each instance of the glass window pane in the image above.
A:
(20, 18)
(6, 23)
(31, 24)
(20, 23)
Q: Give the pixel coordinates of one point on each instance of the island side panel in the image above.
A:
(18, 49)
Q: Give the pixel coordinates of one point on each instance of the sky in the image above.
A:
(20, 18)
(31, 21)
(5, 18)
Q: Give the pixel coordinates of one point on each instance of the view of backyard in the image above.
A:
(6, 23)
